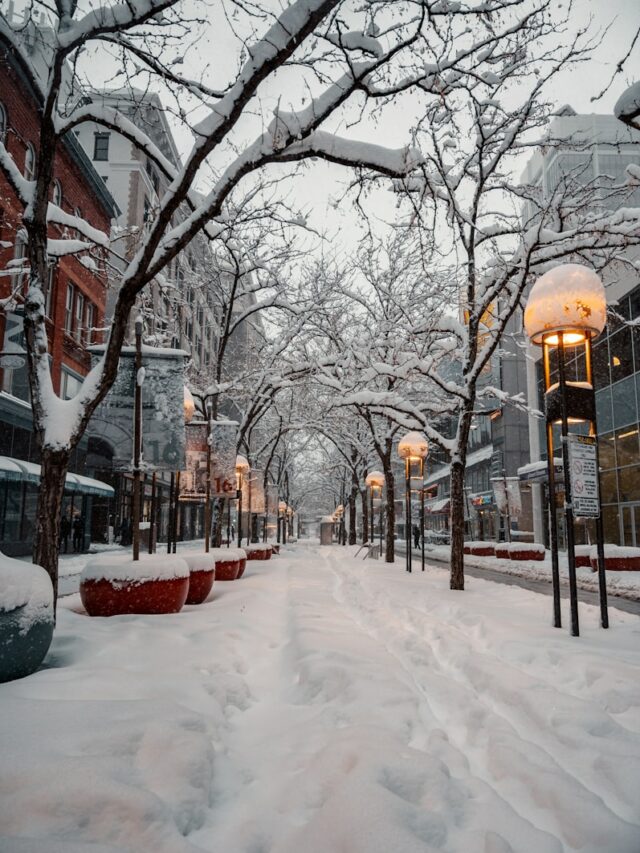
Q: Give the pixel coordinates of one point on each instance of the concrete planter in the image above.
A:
(230, 563)
(258, 552)
(583, 555)
(26, 617)
(527, 551)
(202, 573)
(480, 549)
(112, 586)
(502, 551)
(617, 559)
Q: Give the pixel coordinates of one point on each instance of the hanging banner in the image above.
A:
(271, 498)
(193, 480)
(583, 468)
(256, 492)
(224, 435)
(163, 433)
(500, 493)
(514, 498)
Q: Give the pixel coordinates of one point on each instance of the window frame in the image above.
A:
(99, 137)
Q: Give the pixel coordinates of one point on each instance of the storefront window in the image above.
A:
(603, 410)
(601, 364)
(629, 481)
(623, 395)
(608, 487)
(611, 524)
(627, 448)
(607, 451)
(620, 354)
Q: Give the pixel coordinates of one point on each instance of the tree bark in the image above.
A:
(353, 533)
(54, 464)
(390, 513)
(457, 526)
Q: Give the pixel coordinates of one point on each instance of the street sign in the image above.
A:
(583, 473)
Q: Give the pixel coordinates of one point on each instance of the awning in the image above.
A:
(439, 506)
(18, 470)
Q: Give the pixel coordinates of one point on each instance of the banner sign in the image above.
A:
(500, 493)
(583, 472)
(163, 434)
(257, 502)
(514, 497)
(193, 480)
(224, 435)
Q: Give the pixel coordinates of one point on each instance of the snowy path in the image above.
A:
(327, 705)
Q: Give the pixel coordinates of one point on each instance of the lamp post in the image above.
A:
(567, 307)
(242, 468)
(375, 483)
(137, 440)
(282, 512)
(413, 448)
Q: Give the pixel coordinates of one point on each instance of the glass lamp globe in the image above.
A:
(375, 479)
(569, 299)
(242, 464)
(413, 446)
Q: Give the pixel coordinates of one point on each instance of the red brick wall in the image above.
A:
(23, 127)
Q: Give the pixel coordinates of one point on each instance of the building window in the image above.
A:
(90, 320)
(30, 162)
(68, 311)
(3, 124)
(70, 384)
(79, 324)
(51, 283)
(57, 194)
(101, 146)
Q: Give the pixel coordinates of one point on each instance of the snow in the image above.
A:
(221, 554)
(328, 704)
(198, 561)
(120, 567)
(27, 586)
(628, 104)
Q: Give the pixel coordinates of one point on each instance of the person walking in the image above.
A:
(78, 534)
(65, 530)
(416, 536)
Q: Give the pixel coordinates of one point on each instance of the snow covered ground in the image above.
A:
(326, 704)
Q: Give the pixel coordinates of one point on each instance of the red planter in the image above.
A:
(531, 554)
(112, 598)
(258, 553)
(481, 550)
(200, 585)
(502, 553)
(583, 560)
(228, 570)
(616, 563)
(243, 566)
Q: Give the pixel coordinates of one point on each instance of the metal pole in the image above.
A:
(176, 513)
(207, 499)
(229, 522)
(170, 518)
(553, 520)
(407, 492)
(152, 518)
(371, 527)
(137, 442)
(602, 583)
(239, 493)
(568, 506)
(422, 510)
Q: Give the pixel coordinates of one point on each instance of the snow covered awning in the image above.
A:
(18, 470)
(536, 472)
(439, 506)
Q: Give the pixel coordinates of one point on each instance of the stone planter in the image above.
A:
(617, 559)
(583, 555)
(230, 563)
(26, 617)
(258, 552)
(502, 551)
(202, 572)
(480, 549)
(527, 551)
(112, 586)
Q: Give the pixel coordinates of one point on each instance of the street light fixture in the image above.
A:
(282, 514)
(375, 483)
(413, 448)
(567, 307)
(242, 468)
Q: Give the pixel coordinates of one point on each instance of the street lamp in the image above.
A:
(567, 307)
(282, 512)
(339, 514)
(242, 468)
(413, 448)
(375, 483)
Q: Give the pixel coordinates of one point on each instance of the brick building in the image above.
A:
(75, 305)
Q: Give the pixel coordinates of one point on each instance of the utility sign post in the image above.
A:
(583, 470)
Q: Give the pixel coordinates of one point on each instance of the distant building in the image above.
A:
(598, 151)
(75, 307)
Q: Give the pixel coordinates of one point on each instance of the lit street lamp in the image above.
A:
(413, 448)
(282, 520)
(567, 307)
(375, 483)
(242, 468)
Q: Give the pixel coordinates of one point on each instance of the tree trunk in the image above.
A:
(365, 516)
(457, 526)
(54, 464)
(353, 533)
(390, 513)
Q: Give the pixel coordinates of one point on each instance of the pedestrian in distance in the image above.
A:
(65, 530)
(78, 534)
(416, 535)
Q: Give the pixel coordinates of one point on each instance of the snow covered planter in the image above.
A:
(617, 559)
(112, 585)
(479, 549)
(502, 551)
(583, 555)
(258, 552)
(526, 551)
(202, 573)
(230, 563)
(26, 617)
